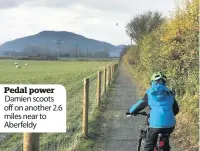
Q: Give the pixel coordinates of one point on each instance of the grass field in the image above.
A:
(47, 71)
(68, 73)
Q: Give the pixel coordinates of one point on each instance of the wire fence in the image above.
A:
(75, 109)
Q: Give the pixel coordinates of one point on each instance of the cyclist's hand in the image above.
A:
(128, 113)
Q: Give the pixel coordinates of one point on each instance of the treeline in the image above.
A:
(45, 53)
(170, 45)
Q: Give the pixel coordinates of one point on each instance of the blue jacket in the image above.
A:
(162, 104)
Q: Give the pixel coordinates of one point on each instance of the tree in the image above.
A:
(36, 50)
(143, 24)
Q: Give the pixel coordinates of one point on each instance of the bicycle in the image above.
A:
(162, 140)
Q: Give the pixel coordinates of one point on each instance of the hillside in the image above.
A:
(69, 42)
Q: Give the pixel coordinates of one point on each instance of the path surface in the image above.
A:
(120, 132)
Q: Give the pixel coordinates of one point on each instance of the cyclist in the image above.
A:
(163, 109)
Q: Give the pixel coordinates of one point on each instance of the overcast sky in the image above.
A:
(91, 18)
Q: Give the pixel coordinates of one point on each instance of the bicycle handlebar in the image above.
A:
(139, 113)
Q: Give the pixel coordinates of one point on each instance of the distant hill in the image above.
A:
(69, 42)
(121, 46)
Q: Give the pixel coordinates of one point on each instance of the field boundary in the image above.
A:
(31, 141)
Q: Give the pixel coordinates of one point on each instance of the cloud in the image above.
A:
(10, 3)
(52, 3)
(126, 6)
(4, 4)
(93, 19)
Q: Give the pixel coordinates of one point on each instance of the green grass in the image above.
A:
(58, 72)
(94, 139)
(68, 73)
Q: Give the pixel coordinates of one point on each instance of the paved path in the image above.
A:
(120, 132)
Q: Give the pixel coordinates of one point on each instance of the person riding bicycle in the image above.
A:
(163, 109)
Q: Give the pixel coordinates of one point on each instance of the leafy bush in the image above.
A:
(173, 49)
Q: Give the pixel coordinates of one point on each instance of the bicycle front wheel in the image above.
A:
(140, 145)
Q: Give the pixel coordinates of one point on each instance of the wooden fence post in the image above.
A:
(112, 70)
(85, 106)
(108, 74)
(105, 80)
(27, 142)
(99, 88)
(111, 74)
(31, 141)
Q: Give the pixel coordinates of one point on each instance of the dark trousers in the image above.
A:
(152, 135)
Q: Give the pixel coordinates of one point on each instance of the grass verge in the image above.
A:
(90, 143)
(141, 88)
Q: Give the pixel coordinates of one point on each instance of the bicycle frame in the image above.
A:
(160, 141)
